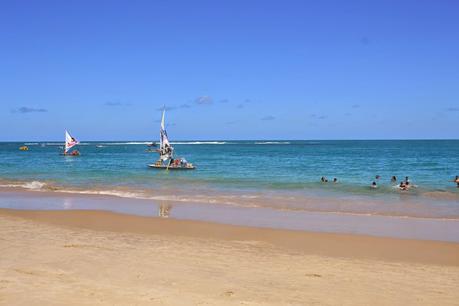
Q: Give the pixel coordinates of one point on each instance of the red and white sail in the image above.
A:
(70, 142)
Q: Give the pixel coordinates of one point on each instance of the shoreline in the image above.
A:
(341, 223)
(317, 197)
(322, 244)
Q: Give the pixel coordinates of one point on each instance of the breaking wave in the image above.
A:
(33, 185)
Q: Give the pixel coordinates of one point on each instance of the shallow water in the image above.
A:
(283, 175)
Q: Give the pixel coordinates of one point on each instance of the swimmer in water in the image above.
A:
(373, 185)
(378, 177)
(322, 179)
(335, 180)
(403, 186)
(393, 179)
(456, 180)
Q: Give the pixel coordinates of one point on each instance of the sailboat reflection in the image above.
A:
(68, 203)
(164, 210)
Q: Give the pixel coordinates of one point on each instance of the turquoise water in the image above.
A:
(281, 174)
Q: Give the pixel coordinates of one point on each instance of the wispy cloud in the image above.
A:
(233, 122)
(320, 117)
(453, 109)
(110, 103)
(116, 103)
(268, 118)
(365, 41)
(204, 100)
(25, 110)
(185, 105)
(167, 108)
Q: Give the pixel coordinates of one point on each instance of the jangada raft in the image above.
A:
(70, 142)
(166, 154)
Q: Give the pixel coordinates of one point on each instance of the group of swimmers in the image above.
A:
(404, 185)
(323, 179)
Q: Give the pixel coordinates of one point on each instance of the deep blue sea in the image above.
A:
(277, 174)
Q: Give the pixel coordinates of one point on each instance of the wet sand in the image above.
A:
(438, 229)
(104, 258)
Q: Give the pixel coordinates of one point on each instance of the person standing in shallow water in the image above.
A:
(393, 179)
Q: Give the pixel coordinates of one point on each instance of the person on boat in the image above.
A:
(374, 185)
(75, 153)
(394, 178)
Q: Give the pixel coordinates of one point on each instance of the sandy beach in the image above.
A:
(104, 258)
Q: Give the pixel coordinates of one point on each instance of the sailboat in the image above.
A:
(70, 142)
(166, 158)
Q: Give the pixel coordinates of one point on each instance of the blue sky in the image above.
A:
(229, 69)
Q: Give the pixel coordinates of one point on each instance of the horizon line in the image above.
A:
(187, 140)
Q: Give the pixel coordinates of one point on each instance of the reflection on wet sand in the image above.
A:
(68, 203)
(164, 210)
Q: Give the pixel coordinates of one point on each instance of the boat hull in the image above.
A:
(163, 167)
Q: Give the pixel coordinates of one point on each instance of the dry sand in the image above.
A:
(102, 258)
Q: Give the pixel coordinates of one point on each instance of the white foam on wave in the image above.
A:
(271, 142)
(143, 196)
(125, 143)
(62, 144)
(200, 142)
(33, 185)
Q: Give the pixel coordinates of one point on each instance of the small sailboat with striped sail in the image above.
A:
(70, 142)
(167, 159)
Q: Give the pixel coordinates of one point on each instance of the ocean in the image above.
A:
(281, 175)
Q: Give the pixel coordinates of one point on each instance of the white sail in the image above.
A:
(164, 144)
(69, 142)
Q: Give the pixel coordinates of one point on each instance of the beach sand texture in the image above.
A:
(103, 258)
